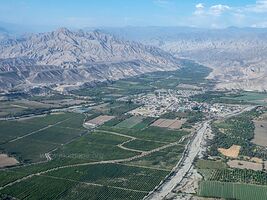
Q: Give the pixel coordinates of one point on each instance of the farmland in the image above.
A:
(150, 133)
(130, 122)
(120, 155)
(169, 123)
(68, 189)
(32, 138)
(232, 190)
(114, 175)
(240, 178)
(260, 132)
(165, 159)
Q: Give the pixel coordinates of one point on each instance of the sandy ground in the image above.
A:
(6, 161)
(232, 152)
(257, 160)
(260, 137)
(240, 164)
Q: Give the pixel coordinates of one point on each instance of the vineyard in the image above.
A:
(95, 146)
(239, 176)
(30, 139)
(165, 159)
(150, 133)
(143, 145)
(115, 175)
(232, 190)
(130, 122)
(47, 188)
(113, 181)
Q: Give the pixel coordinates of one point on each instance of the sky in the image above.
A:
(118, 13)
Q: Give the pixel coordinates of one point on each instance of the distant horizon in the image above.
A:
(80, 14)
(17, 28)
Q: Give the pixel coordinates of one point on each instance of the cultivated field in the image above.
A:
(121, 159)
(169, 123)
(240, 164)
(29, 140)
(165, 159)
(98, 120)
(239, 176)
(260, 137)
(130, 122)
(47, 187)
(232, 190)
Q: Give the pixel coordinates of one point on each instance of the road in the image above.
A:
(122, 161)
(190, 153)
(176, 176)
(183, 166)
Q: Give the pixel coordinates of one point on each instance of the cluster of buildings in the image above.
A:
(163, 101)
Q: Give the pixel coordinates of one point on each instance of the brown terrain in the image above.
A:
(99, 120)
(6, 161)
(232, 152)
(169, 123)
(240, 164)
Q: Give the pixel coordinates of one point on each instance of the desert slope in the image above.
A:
(69, 57)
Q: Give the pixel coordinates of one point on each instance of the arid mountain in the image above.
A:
(3, 33)
(237, 56)
(73, 58)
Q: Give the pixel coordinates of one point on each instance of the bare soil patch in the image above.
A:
(257, 160)
(265, 165)
(260, 137)
(232, 152)
(99, 120)
(169, 123)
(6, 161)
(240, 164)
(188, 86)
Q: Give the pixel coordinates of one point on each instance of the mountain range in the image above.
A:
(69, 59)
(236, 55)
(72, 58)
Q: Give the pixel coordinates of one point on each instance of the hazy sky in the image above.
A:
(92, 13)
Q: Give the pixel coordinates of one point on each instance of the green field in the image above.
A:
(130, 122)
(39, 135)
(165, 159)
(150, 133)
(95, 146)
(116, 175)
(238, 130)
(113, 180)
(93, 164)
(239, 176)
(209, 164)
(193, 74)
(232, 190)
(251, 97)
(143, 145)
(47, 188)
